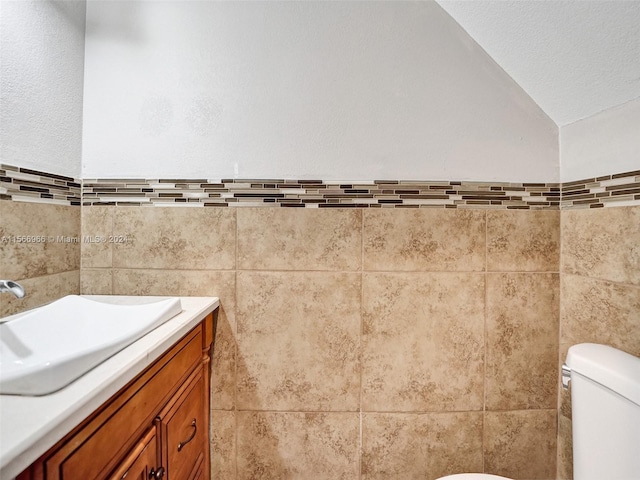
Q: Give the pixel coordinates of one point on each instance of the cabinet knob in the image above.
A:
(156, 474)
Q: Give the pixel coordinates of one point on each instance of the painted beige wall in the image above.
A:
(41, 80)
(602, 144)
(400, 327)
(302, 90)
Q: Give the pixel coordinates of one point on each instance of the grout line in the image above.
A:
(235, 348)
(361, 445)
(112, 222)
(82, 247)
(361, 343)
(101, 268)
(559, 362)
(599, 279)
(396, 272)
(486, 311)
(398, 412)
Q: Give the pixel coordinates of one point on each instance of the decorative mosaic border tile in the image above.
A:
(319, 194)
(26, 185)
(610, 190)
(22, 184)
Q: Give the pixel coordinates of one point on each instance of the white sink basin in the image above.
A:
(45, 349)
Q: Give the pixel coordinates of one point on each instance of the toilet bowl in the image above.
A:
(473, 476)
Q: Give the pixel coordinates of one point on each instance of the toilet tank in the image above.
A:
(605, 405)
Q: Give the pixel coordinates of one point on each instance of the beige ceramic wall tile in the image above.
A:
(96, 281)
(40, 291)
(55, 249)
(223, 365)
(300, 446)
(599, 311)
(199, 283)
(602, 243)
(298, 341)
(219, 284)
(523, 378)
(521, 444)
(420, 446)
(423, 341)
(175, 238)
(223, 445)
(523, 240)
(424, 240)
(565, 449)
(97, 236)
(564, 395)
(522, 340)
(299, 239)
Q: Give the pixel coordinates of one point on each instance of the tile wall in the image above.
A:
(40, 248)
(366, 342)
(353, 343)
(600, 293)
(39, 236)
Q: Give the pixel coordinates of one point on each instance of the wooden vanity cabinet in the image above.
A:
(157, 426)
(142, 462)
(182, 430)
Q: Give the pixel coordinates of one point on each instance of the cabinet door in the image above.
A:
(200, 473)
(184, 431)
(142, 463)
(97, 448)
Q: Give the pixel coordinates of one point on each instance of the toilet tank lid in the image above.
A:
(608, 366)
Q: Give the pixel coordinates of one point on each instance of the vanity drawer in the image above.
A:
(98, 445)
(183, 429)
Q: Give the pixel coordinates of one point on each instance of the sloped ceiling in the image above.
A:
(575, 58)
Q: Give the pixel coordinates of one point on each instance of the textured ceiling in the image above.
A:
(575, 58)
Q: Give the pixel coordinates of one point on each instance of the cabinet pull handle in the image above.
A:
(156, 474)
(193, 434)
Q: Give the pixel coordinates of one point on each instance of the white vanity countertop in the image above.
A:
(29, 426)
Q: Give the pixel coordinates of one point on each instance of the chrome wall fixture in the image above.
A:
(566, 376)
(12, 287)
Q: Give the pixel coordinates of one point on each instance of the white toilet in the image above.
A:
(605, 406)
(473, 476)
